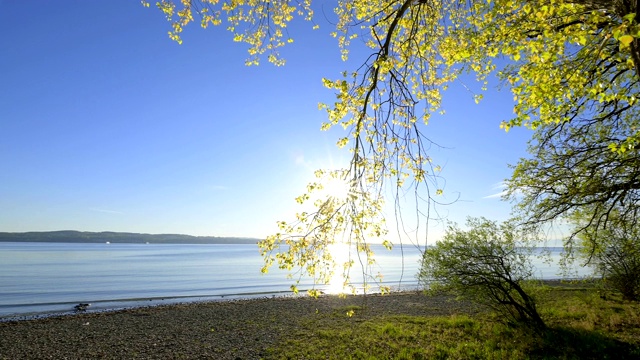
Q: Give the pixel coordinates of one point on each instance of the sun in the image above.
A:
(336, 188)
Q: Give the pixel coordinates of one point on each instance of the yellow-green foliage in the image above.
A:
(566, 61)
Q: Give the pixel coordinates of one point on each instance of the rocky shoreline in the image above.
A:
(235, 329)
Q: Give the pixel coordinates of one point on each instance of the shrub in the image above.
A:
(616, 255)
(484, 264)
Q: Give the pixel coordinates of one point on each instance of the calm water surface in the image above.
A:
(41, 278)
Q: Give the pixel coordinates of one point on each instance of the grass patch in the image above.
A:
(398, 337)
(582, 325)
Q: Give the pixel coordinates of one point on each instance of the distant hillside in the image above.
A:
(69, 236)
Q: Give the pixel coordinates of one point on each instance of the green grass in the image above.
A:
(582, 325)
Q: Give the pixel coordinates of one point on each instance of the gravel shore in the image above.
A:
(239, 329)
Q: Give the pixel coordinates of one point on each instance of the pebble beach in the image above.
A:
(234, 329)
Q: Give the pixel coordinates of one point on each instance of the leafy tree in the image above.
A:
(572, 65)
(577, 88)
(486, 265)
(383, 105)
(571, 60)
(573, 172)
(615, 251)
(574, 74)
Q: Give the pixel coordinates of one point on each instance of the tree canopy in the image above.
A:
(584, 159)
(572, 66)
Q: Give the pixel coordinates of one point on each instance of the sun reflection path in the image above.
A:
(340, 254)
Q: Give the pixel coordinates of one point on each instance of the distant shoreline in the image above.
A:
(71, 236)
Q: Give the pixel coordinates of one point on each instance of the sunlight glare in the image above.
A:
(336, 188)
(340, 254)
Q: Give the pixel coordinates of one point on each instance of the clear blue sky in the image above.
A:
(107, 125)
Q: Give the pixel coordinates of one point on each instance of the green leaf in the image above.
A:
(625, 40)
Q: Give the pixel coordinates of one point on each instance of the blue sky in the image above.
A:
(107, 125)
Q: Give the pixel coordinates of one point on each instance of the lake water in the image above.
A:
(45, 278)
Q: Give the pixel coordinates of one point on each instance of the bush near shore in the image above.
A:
(584, 323)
